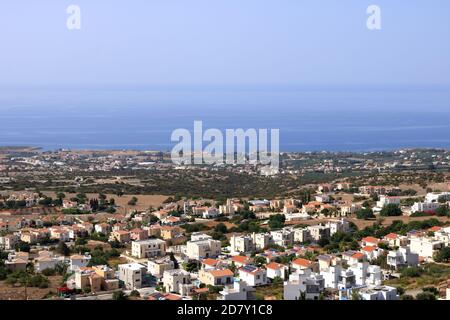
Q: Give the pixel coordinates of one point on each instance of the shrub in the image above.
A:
(48, 272)
(391, 210)
(412, 272)
(119, 295)
(365, 214)
(425, 296)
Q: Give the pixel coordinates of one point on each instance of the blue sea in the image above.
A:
(309, 119)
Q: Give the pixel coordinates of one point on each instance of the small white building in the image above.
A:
(302, 235)
(261, 240)
(424, 206)
(425, 246)
(156, 267)
(239, 291)
(283, 237)
(45, 262)
(177, 281)
(366, 274)
(243, 243)
(331, 276)
(253, 276)
(210, 213)
(78, 261)
(435, 196)
(378, 293)
(385, 200)
(131, 274)
(276, 270)
(402, 257)
(338, 225)
(304, 283)
(319, 232)
(9, 241)
(202, 246)
(148, 248)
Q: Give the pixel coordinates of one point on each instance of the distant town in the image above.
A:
(132, 225)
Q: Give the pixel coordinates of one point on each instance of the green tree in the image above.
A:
(133, 201)
(62, 248)
(276, 221)
(390, 210)
(259, 261)
(119, 295)
(442, 255)
(220, 227)
(135, 293)
(22, 246)
(425, 296)
(365, 213)
(443, 211)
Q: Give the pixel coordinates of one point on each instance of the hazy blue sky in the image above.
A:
(224, 42)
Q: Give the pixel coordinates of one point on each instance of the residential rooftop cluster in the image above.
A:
(333, 243)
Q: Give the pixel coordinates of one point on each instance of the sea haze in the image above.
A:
(309, 119)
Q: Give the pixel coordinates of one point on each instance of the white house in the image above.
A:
(178, 281)
(239, 291)
(424, 206)
(148, 248)
(78, 261)
(283, 237)
(402, 257)
(131, 275)
(202, 246)
(253, 276)
(243, 243)
(276, 270)
(319, 231)
(210, 213)
(331, 276)
(261, 240)
(338, 225)
(304, 282)
(378, 293)
(9, 241)
(435, 196)
(425, 246)
(302, 235)
(45, 262)
(156, 267)
(372, 252)
(385, 200)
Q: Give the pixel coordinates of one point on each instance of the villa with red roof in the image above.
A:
(302, 264)
(241, 261)
(275, 270)
(370, 241)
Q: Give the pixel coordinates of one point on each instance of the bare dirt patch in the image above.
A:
(144, 201)
(7, 292)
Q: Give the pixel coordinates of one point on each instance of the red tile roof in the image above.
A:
(275, 266)
(302, 262)
(368, 248)
(222, 273)
(358, 255)
(210, 262)
(371, 240)
(434, 229)
(391, 236)
(241, 259)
